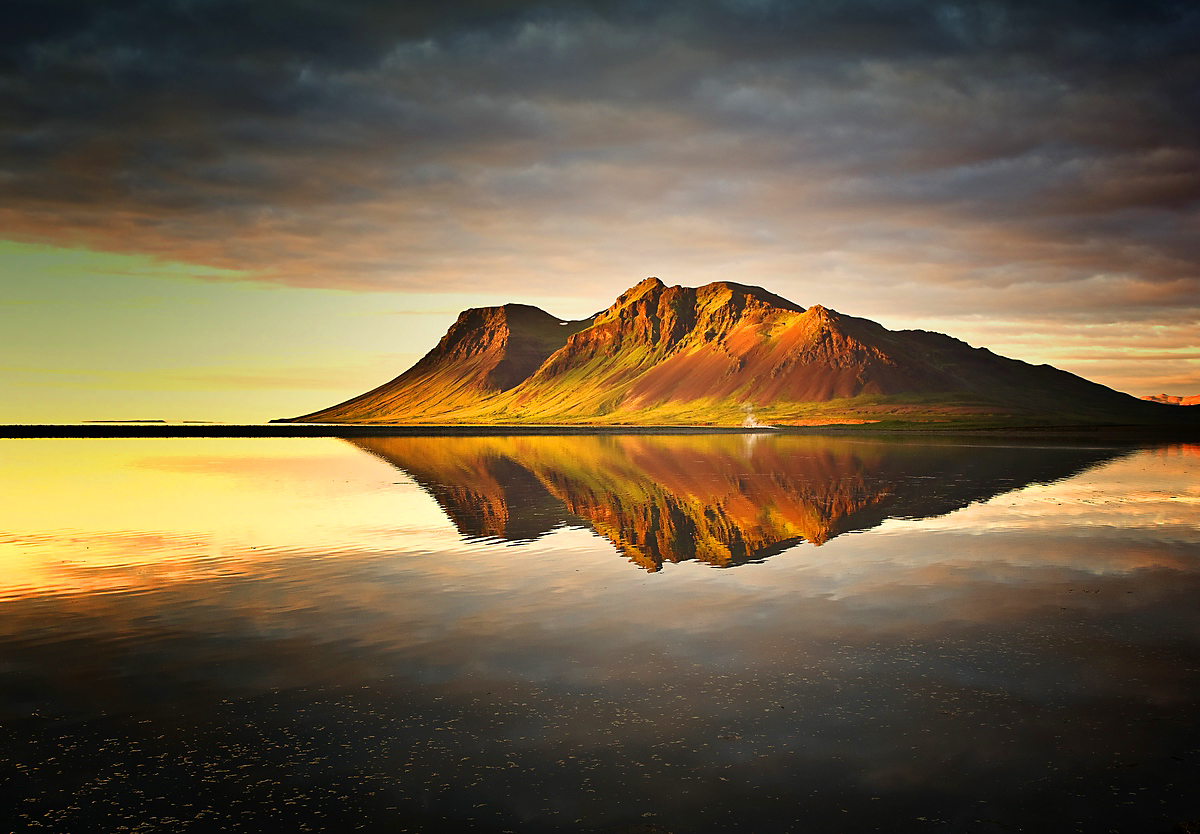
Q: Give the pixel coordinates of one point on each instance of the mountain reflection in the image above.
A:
(720, 499)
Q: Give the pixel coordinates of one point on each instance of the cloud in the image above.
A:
(975, 154)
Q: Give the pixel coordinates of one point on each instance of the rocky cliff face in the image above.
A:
(659, 344)
(684, 354)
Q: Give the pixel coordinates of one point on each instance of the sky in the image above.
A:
(238, 210)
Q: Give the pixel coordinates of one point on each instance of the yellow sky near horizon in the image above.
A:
(102, 336)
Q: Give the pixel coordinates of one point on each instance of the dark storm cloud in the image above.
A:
(944, 156)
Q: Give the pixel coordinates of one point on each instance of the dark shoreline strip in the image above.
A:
(1123, 433)
(347, 430)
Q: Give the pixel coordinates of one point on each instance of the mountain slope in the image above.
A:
(486, 351)
(664, 354)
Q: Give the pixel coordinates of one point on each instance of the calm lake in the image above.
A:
(634, 634)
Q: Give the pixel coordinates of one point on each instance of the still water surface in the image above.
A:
(610, 634)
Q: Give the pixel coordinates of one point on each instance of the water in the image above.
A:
(614, 634)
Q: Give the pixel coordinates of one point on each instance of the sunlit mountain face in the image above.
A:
(715, 354)
(721, 500)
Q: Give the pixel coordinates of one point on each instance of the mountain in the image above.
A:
(720, 499)
(488, 350)
(711, 355)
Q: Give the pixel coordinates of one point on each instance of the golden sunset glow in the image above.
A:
(130, 516)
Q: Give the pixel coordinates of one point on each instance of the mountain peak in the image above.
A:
(743, 292)
(642, 288)
(480, 329)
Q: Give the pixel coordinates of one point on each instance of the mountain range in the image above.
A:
(721, 354)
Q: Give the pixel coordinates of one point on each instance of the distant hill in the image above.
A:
(1171, 399)
(715, 355)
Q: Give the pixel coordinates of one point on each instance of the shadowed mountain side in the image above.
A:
(718, 499)
(678, 355)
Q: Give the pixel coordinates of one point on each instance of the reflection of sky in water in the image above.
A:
(1026, 659)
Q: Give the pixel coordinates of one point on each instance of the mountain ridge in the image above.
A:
(707, 355)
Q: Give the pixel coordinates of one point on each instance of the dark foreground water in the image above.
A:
(611, 634)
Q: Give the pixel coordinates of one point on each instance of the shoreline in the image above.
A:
(146, 430)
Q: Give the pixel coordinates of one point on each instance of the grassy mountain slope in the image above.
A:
(488, 350)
